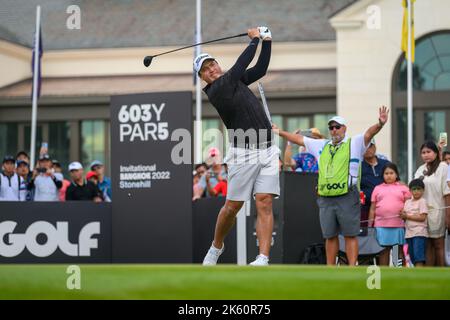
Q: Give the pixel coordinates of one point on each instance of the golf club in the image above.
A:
(148, 59)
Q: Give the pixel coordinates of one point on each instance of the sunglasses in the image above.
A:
(337, 127)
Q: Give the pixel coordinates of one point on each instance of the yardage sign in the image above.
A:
(152, 184)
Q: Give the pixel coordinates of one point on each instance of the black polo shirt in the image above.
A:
(88, 191)
(236, 104)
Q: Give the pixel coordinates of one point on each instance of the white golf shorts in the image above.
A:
(252, 171)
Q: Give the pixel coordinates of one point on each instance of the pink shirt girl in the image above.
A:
(390, 200)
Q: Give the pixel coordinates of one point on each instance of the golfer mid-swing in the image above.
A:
(252, 158)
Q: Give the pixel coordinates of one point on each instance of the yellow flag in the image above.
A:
(405, 30)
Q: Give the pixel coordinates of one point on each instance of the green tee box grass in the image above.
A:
(191, 282)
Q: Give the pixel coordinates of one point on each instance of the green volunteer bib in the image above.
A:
(334, 166)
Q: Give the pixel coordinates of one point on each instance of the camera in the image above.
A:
(41, 170)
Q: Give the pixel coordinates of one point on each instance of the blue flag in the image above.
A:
(39, 63)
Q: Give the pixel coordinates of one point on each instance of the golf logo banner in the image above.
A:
(56, 238)
(55, 232)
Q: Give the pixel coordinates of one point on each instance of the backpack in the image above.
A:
(314, 254)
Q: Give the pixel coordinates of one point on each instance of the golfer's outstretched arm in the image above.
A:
(260, 68)
(239, 68)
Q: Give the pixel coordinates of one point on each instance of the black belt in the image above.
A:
(253, 146)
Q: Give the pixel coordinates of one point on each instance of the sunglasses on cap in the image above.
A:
(337, 127)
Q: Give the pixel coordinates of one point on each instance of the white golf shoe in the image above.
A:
(212, 256)
(261, 260)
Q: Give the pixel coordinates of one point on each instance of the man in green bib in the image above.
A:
(338, 194)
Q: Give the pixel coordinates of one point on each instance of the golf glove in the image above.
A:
(264, 32)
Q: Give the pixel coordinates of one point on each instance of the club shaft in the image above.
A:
(193, 45)
(264, 102)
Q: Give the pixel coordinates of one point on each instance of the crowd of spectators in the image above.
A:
(46, 181)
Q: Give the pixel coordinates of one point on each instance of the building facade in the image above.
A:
(371, 71)
(327, 59)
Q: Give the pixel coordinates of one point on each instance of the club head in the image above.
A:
(148, 60)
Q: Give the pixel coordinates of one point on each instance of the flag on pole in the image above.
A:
(405, 30)
(38, 35)
(36, 88)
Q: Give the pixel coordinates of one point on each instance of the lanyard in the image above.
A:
(333, 149)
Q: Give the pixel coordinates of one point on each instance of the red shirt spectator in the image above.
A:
(62, 191)
(221, 189)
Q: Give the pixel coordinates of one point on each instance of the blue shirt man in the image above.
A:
(104, 183)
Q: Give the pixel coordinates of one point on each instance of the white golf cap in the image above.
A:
(338, 120)
(75, 166)
(198, 61)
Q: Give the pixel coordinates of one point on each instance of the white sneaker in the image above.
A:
(261, 260)
(212, 256)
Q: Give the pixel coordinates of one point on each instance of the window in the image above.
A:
(8, 139)
(434, 124)
(39, 139)
(212, 135)
(321, 122)
(294, 123)
(59, 142)
(402, 147)
(93, 146)
(432, 64)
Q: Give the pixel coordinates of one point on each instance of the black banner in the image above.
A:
(296, 220)
(204, 218)
(151, 157)
(55, 232)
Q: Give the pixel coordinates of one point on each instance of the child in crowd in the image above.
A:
(388, 201)
(415, 215)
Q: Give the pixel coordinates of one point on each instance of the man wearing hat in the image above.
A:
(104, 183)
(80, 189)
(45, 181)
(23, 170)
(338, 194)
(252, 158)
(12, 186)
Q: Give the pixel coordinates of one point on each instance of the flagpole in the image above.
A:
(198, 89)
(410, 96)
(35, 87)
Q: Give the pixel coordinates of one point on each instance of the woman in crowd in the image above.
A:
(433, 172)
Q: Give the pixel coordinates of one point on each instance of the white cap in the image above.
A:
(198, 61)
(75, 166)
(339, 120)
